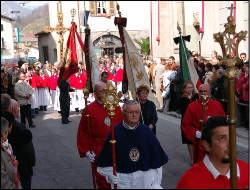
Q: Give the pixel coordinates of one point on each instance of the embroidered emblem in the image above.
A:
(107, 121)
(134, 154)
(43, 78)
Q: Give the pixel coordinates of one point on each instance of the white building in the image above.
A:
(7, 42)
(102, 28)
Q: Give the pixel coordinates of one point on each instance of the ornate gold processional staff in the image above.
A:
(110, 100)
(60, 29)
(228, 46)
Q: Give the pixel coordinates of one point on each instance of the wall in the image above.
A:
(47, 41)
(7, 34)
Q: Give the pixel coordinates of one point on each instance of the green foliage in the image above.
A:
(144, 44)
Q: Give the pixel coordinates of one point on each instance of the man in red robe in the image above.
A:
(43, 91)
(53, 84)
(191, 124)
(214, 171)
(100, 125)
(78, 81)
(33, 81)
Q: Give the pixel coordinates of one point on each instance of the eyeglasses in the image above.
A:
(200, 91)
(133, 112)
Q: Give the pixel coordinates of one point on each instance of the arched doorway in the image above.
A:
(108, 44)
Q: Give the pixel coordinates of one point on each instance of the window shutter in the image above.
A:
(92, 8)
(112, 8)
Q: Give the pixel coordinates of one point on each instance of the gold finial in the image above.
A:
(73, 13)
(179, 28)
(231, 9)
(111, 99)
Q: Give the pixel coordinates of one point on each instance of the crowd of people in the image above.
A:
(31, 89)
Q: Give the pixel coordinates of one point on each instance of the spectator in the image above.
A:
(243, 57)
(24, 92)
(187, 98)
(178, 85)
(208, 74)
(148, 110)
(21, 140)
(201, 71)
(9, 171)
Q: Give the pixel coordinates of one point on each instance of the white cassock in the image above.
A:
(57, 102)
(150, 179)
(44, 96)
(35, 99)
(73, 105)
(79, 99)
(53, 96)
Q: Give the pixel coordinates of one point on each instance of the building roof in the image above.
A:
(40, 33)
(11, 19)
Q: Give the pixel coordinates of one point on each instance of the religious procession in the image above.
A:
(125, 95)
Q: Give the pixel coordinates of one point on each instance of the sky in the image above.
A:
(32, 4)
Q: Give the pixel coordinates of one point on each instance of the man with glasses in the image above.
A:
(139, 155)
(196, 114)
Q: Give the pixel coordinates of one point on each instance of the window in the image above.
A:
(1, 27)
(101, 7)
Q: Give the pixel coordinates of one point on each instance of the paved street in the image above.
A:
(59, 166)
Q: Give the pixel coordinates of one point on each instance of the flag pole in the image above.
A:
(79, 21)
(86, 91)
(122, 22)
(110, 100)
(224, 39)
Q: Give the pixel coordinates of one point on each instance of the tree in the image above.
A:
(144, 45)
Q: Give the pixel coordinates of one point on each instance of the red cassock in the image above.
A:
(99, 131)
(33, 80)
(199, 177)
(119, 75)
(43, 81)
(53, 81)
(191, 123)
(78, 82)
(111, 76)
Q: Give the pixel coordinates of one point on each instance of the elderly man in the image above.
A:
(214, 171)
(99, 125)
(196, 114)
(139, 155)
(24, 92)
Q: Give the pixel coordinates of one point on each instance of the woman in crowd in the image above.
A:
(9, 173)
(187, 98)
(208, 74)
(148, 109)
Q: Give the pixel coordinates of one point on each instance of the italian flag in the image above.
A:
(187, 67)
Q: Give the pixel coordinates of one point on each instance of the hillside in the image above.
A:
(36, 20)
(29, 22)
(36, 26)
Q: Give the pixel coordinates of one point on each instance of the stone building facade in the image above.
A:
(193, 16)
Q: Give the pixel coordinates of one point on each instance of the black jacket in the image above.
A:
(20, 139)
(149, 113)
